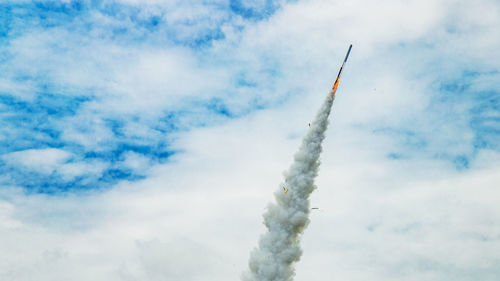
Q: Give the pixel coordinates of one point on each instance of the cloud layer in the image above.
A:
(133, 134)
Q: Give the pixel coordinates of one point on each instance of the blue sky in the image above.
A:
(41, 41)
(41, 120)
(108, 107)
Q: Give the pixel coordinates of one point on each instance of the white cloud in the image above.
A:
(51, 160)
(159, 79)
(42, 160)
(136, 161)
(69, 171)
(198, 215)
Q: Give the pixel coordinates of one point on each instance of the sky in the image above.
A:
(143, 140)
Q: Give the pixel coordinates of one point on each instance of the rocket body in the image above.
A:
(336, 84)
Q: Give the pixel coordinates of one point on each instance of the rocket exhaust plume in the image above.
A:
(287, 218)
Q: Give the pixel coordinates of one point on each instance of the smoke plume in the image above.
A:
(287, 218)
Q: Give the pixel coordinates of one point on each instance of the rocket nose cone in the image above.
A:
(348, 52)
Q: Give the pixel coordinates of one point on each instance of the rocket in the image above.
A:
(335, 85)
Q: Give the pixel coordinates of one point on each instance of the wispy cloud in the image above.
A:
(134, 131)
(105, 79)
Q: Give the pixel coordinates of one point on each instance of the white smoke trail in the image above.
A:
(287, 218)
